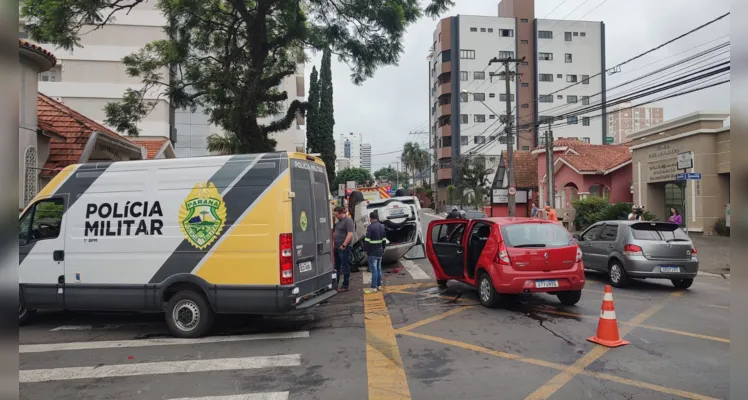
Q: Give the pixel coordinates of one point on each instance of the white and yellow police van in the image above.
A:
(189, 237)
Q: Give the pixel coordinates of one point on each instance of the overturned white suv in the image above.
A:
(402, 224)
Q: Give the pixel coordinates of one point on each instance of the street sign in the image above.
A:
(609, 139)
(685, 160)
(691, 176)
(512, 191)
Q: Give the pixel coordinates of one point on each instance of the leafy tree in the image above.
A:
(390, 174)
(475, 176)
(359, 175)
(415, 158)
(594, 209)
(326, 118)
(312, 115)
(230, 56)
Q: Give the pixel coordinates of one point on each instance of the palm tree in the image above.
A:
(414, 157)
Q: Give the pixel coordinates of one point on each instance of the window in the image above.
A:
(525, 63)
(609, 233)
(591, 234)
(440, 39)
(446, 141)
(446, 55)
(492, 95)
(492, 116)
(571, 99)
(544, 119)
(479, 140)
(490, 30)
(464, 118)
(585, 100)
(586, 140)
(582, 34)
(586, 121)
(464, 140)
(545, 35)
(31, 175)
(506, 54)
(559, 75)
(534, 234)
(506, 32)
(585, 79)
(463, 97)
(502, 97)
(463, 75)
(480, 75)
(52, 75)
(523, 20)
(524, 42)
(567, 36)
(482, 29)
(479, 118)
(479, 96)
(525, 148)
(545, 98)
(571, 78)
(525, 84)
(545, 77)
(560, 96)
(545, 56)
(659, 231)
(525, 105)
(576, 33)
(567, 57)
(467, 54)
(473, 29)
(571, 120)
(42, 221)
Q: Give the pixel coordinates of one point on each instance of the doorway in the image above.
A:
(674, 198)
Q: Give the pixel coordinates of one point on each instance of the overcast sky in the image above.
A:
(385, 108)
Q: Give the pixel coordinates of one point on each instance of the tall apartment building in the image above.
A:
(623, 120)
(366, 156)
(353, 148)
(467, 99)
(87, 78)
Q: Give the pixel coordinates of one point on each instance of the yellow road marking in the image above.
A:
(437, 296)
(558, 381)
(390, 288)
(384, 367)
(560, 367)
(619, 294)
(432, 319)
(655, 328)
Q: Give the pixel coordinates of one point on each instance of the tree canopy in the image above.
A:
(390, 174)
(359, 175)
(230, 56)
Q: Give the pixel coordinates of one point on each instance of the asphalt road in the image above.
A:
(412, 342)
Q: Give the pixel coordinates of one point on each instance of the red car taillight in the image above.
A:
(579, 256)
(502, 256)
(632, 250)
(286, 258)
(693, 251)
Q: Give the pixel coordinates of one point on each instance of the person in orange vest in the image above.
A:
(551, 213)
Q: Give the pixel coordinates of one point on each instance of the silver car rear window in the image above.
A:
(658, 231)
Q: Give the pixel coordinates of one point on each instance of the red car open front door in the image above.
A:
(445, 248)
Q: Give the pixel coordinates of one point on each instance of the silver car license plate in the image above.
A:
(669, 269)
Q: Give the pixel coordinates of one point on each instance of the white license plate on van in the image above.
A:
(306, 266)
(547, 283)
(669, 269)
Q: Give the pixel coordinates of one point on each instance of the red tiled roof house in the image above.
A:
(581, 170)
(525, 181)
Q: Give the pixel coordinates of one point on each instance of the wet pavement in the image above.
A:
(414, 341)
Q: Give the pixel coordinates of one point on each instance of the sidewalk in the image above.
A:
(713, 253)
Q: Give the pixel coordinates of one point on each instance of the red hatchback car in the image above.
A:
(507, 256)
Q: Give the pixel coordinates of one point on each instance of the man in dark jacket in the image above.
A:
(454, 214)
(374, 243)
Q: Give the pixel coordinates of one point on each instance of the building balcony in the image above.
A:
(444, 173)
(443, 68)
(444, 88)
(445, 152)
(444, 109)
(445, 130)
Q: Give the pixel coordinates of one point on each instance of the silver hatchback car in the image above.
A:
(639, 249)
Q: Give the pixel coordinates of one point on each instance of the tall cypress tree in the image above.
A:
(312, 116)
(325, 116)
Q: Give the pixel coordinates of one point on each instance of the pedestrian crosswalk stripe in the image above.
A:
(414, 270)
(158, 368)
(72, 328)
(116, 344)
(250, 396)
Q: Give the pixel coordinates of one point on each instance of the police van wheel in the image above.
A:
(188, 315)
(24, 315)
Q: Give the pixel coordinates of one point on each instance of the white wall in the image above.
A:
(586, 60)
(487, 45)
(355, 143)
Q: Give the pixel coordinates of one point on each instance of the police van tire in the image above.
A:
(188, 314)
(24, 315)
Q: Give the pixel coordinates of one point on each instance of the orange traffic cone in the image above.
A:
(607, 327)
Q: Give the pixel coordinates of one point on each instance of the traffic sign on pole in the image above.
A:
(689, 176)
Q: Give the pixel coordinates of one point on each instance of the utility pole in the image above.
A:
(512, 205)
(549, 165)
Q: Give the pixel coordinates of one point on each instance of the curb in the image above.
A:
(712, 275)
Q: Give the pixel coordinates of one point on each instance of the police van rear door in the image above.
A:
(311, 226)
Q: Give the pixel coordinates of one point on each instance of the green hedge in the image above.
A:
(594, 209)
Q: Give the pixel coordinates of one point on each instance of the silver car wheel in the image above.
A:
(615, 273)
(485, 289)
(186, 315)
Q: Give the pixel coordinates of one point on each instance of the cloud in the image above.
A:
(395, 102)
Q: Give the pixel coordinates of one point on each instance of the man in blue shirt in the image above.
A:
(374, 243)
